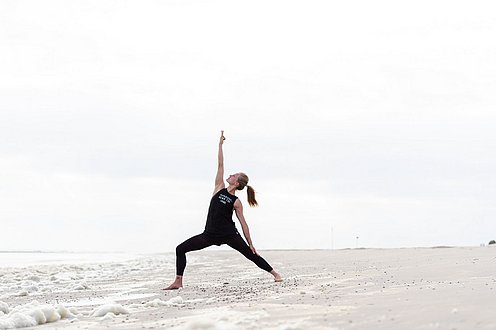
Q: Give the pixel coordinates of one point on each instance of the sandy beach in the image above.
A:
(410, 288)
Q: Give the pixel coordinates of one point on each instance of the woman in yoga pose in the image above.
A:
(220, 228)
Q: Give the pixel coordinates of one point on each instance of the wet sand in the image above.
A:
(411, 288)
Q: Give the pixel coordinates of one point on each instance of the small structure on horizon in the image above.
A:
(491, 242)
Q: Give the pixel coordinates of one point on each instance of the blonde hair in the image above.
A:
(243, 181)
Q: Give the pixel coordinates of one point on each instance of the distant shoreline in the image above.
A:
(226, 249)
(76, 252)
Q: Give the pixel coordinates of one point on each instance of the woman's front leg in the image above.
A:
(194, 243)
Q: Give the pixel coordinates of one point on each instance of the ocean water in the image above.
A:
(25, 259)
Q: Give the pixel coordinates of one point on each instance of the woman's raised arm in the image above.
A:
(219, 178)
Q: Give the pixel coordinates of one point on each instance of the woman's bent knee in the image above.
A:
(180, 249)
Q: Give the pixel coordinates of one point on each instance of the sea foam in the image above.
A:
(109, 308)
(31, 314)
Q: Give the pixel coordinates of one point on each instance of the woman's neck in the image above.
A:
(231, 190)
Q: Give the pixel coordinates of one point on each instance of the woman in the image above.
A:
(220, 229)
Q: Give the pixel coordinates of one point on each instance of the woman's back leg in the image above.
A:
(239, 244)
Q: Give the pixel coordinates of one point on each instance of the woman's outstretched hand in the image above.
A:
(253, 250)
(222, 138)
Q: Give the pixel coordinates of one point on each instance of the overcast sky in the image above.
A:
(374, 118)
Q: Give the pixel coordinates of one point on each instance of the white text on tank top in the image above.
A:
(225, 199)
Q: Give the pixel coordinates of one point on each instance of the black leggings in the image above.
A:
(202, 241)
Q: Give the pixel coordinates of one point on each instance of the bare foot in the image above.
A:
(177, 284)
(173, 286)
(277, 277)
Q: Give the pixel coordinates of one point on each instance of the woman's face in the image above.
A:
(233, 178)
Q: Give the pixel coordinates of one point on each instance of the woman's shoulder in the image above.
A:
(218, 189)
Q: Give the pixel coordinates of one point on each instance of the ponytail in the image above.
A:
(251, 196)
(243, 182)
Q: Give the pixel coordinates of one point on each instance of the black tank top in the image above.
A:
(219, 218)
